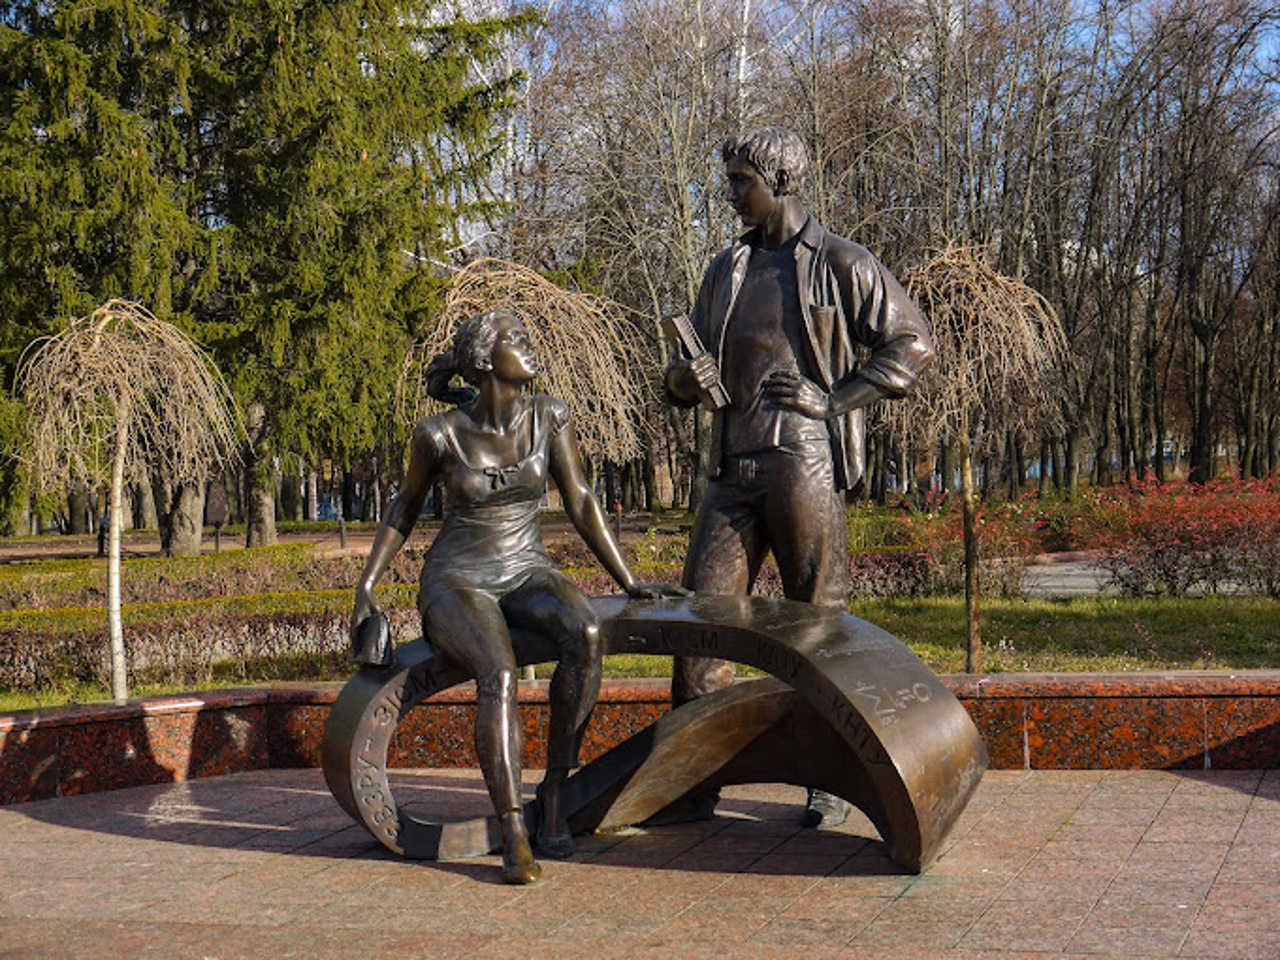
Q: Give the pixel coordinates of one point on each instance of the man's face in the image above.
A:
(750, 194)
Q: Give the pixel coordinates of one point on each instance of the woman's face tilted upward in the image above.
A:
(512, 357)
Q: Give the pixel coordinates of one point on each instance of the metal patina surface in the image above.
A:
(852, 711)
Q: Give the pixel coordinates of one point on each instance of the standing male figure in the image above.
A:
(782, 314)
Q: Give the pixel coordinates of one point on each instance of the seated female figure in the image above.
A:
(487, 567)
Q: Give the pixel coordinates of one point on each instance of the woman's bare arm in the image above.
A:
(422, 472)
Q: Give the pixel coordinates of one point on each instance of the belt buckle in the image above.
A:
(746, 469)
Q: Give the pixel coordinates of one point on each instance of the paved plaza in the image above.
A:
(265, 864)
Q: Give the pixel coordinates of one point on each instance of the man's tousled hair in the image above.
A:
(779, 154)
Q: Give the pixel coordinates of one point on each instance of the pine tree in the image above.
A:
(281, 177)
(354, 140)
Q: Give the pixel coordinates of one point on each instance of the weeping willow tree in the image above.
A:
(587, 352)
(1000, 357)
(116, 394)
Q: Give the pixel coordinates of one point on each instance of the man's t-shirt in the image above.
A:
(764, 334)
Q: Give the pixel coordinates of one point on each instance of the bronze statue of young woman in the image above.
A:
(487, 566)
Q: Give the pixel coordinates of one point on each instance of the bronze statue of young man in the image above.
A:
(781, 314)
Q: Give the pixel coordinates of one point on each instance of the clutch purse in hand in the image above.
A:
(371, 646)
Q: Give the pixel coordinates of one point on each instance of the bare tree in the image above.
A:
(1000, 350)
(114, 395)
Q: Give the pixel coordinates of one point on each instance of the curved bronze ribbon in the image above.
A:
(856, 713)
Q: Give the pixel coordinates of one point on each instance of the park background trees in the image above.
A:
(294, 182)
(282, 180)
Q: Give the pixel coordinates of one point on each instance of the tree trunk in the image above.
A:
(651, 498)
(115, 523)
(1070, 465)
(611, 497)
(348, 495)
(260, 520)
(186, 521)
(145, 513)
(1017, 468)
(79, 510)
(260, 481)
(703, 426)
(291, 495)
(945, 466)
(972, 582)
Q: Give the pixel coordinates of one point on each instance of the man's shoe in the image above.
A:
(824, 809)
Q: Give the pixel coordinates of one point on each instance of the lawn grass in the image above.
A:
(1098, 634)
(1090, 633)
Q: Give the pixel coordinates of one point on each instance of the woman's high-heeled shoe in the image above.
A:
(518, 865)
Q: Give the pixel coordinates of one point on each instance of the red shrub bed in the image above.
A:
(1177, 539)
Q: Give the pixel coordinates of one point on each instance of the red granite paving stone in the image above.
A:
(1046, 801)
(733, 840)
(1095, 851)
(822, 842)
(639, 917)
(1053, 868)
(1153, 851)
(778, 889)
(796, 864)
(1021, 925)
(1119, 916)
(1179, 828)
(552, 895)
(872, 877)
(1157, 940)
(638, 858)
(826, 900)
(1082, 891)
(1187, 892)
(717, 862)
(1233, 932)
(1216, 782)
(1261, 837)
(721, 920)
(1269, 786)
(1063, 781)
(1089, 815)
(467, 901)
(1245, 895)
(1142, 802)
(78, 899)
(1197, 803)
(931, 886)
(1250, 871)
(980, 868)
(1074, 832)
(1166, 870)
(800, 934)
(902, 924)
(1248, 850)
(1264, 809)
(56, 940)
(936, 953)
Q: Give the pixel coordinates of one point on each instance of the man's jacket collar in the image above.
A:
(810, 235)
